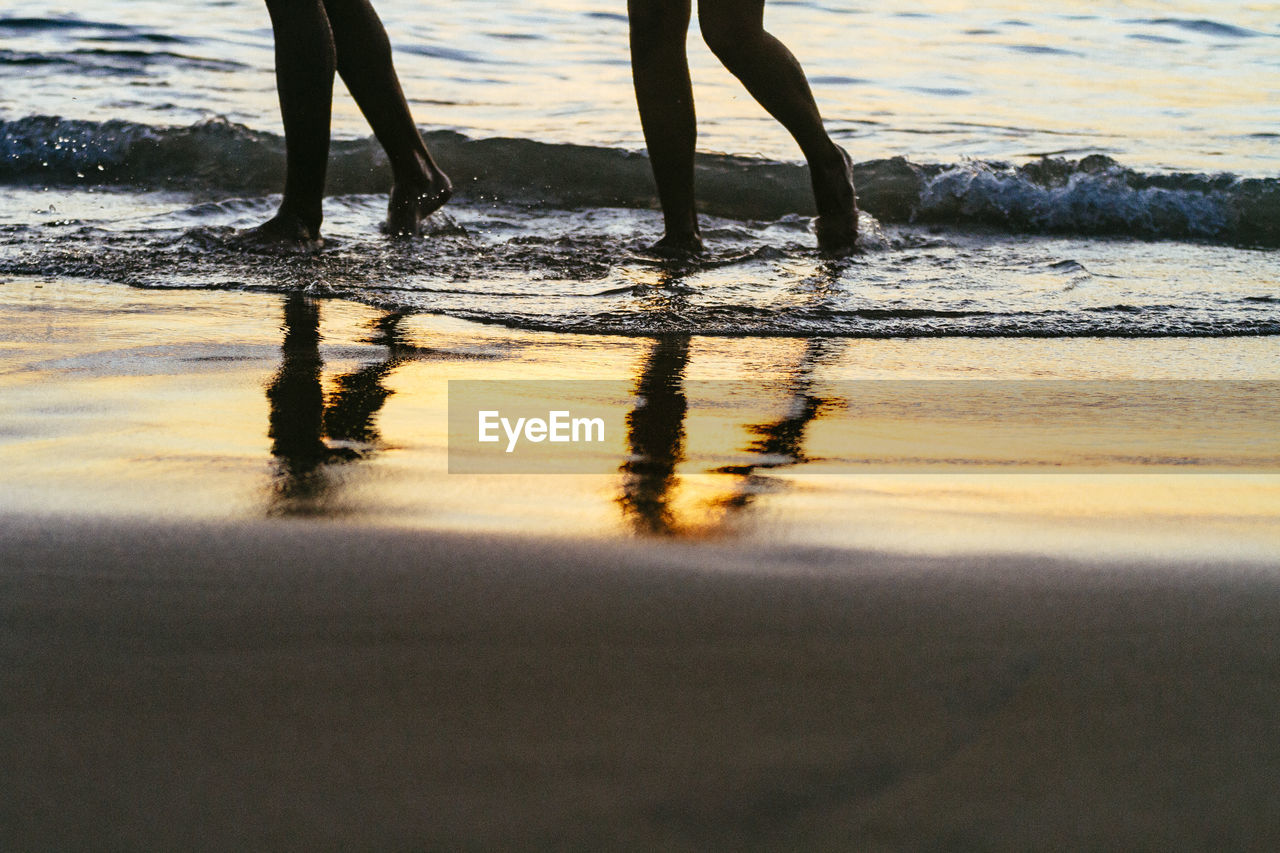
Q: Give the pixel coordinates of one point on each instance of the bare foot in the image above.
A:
(837, 222)
(677, 246)
(283, 233)
(415, 200)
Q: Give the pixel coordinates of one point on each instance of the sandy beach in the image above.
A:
(305, 685)
(243, 605)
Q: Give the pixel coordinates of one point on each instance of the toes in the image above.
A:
(407, 209)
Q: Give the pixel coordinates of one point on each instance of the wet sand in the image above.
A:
(117, 402)
(243, 605)
(306, 685)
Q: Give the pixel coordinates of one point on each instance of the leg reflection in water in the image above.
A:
(310, 435)
(781, 442)
(656, 441)
(655, 438)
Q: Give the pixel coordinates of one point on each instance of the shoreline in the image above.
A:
(227, 405)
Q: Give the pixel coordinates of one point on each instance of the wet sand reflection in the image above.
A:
(311, 434)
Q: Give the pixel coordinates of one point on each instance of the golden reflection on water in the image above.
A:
(367, 439)
(313, 430)
(119, 403)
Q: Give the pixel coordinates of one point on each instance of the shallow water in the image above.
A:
(137, 138)
(585, 271)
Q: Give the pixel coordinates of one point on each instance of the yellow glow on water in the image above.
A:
(135, 404)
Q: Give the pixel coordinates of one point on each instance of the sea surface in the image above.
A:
(1098, 169)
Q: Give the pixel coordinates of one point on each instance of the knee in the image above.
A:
(730, 39)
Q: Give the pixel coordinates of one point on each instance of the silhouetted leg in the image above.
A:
(664, 94)
(305, 64)
(734, 30)
(364, 61)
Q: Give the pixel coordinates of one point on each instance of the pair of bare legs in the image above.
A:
(734, 30)
(313, 39)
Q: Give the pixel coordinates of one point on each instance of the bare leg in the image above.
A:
(305, 64)
(664, 94)
(364, 62)
(734, 30)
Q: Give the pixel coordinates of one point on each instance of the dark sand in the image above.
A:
(305, 685)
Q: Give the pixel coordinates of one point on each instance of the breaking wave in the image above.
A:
(1091, 196)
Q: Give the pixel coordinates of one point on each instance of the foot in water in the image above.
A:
(837, 222)
(677, 246)
(412, 201)
(283, 233)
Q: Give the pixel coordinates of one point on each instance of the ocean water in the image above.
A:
(1107, 169)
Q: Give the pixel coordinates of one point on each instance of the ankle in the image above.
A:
(304, 224)
(303, 220)
(415, 172)
(826, 157)
(678, 245)
(683, 227)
